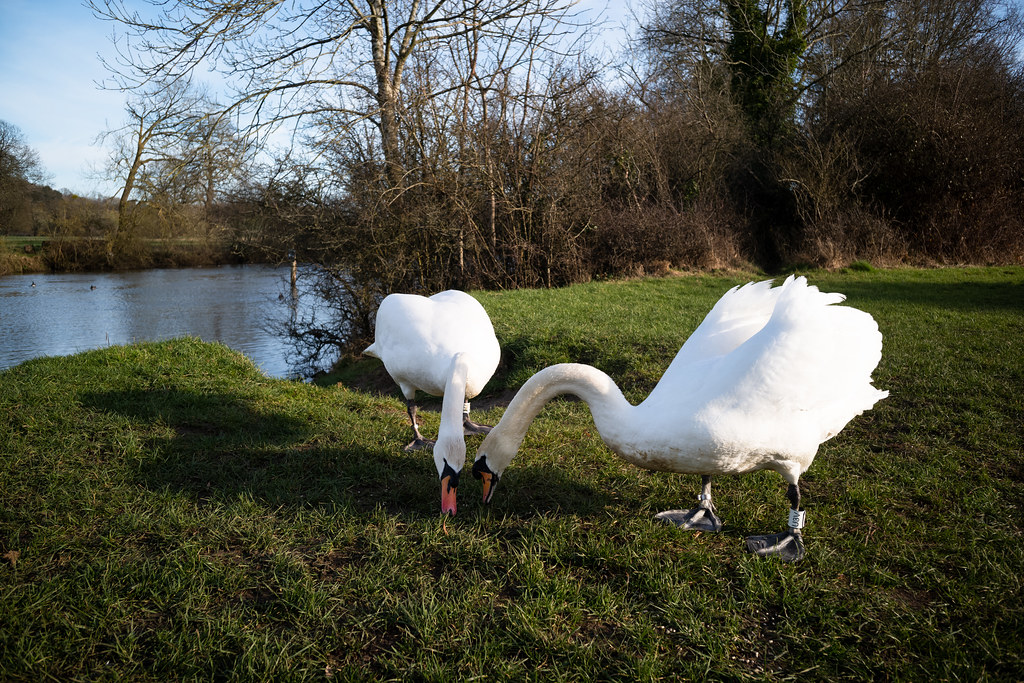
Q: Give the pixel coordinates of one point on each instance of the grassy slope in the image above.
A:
(168, 513)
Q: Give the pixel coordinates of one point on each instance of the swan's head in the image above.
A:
(449, 457)
(494, 455)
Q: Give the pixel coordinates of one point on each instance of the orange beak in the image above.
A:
(449, 485)
(488, 479)
(488, 482)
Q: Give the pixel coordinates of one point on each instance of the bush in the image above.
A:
(946, 155)
(648, 239)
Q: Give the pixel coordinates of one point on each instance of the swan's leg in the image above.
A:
(471, 427)
(700, 518)
(418, 441)
(789, 545)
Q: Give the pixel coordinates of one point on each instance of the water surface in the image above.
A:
(60, 314)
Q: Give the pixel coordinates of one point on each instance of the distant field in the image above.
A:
(169, 513)
(89, 254)
(17, 244)
(19, 241)
(14, 259)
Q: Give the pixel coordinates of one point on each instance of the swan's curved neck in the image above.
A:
(606, 402)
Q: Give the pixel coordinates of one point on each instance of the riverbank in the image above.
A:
(169, 512)
(23, 255)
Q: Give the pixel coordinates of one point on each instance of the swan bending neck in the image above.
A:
(451, 446)
(597, 389)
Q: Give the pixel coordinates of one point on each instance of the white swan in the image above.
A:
(768, 376)
(443, 345)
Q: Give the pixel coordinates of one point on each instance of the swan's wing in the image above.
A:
(401, 341)
(735, 318)
(461, 325)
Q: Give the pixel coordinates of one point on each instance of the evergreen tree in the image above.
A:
(763, 64)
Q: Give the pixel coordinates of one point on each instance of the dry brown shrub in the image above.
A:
(852, 234)
(646, 239)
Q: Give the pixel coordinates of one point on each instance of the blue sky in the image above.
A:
(49, 69)
(48, 73)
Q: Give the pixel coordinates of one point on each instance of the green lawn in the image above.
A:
(168, 513)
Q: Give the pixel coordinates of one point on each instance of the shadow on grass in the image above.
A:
(962, 296)
(217, 446)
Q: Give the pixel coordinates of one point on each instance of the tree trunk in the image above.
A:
(125, 227)
(387, 94)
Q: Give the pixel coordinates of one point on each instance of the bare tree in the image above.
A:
(338, 63)
(198, 168)
(157, 119)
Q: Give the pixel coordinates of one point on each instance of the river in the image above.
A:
(64, 313)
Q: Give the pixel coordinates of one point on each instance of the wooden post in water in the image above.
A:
(295, 275)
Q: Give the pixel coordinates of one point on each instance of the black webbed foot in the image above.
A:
(697, 519)
(470, 428)
(788, 546)
(418, 444)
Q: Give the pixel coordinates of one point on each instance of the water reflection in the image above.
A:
(48, 315)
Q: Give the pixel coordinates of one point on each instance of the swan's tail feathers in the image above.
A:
(812, 359)
(371, 350)
(853, 344)
(796, 290)
(835, 417)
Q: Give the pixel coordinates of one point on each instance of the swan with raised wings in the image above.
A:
(443, 345)
(770, 374)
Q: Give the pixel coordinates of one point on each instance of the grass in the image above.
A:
(170, 513)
